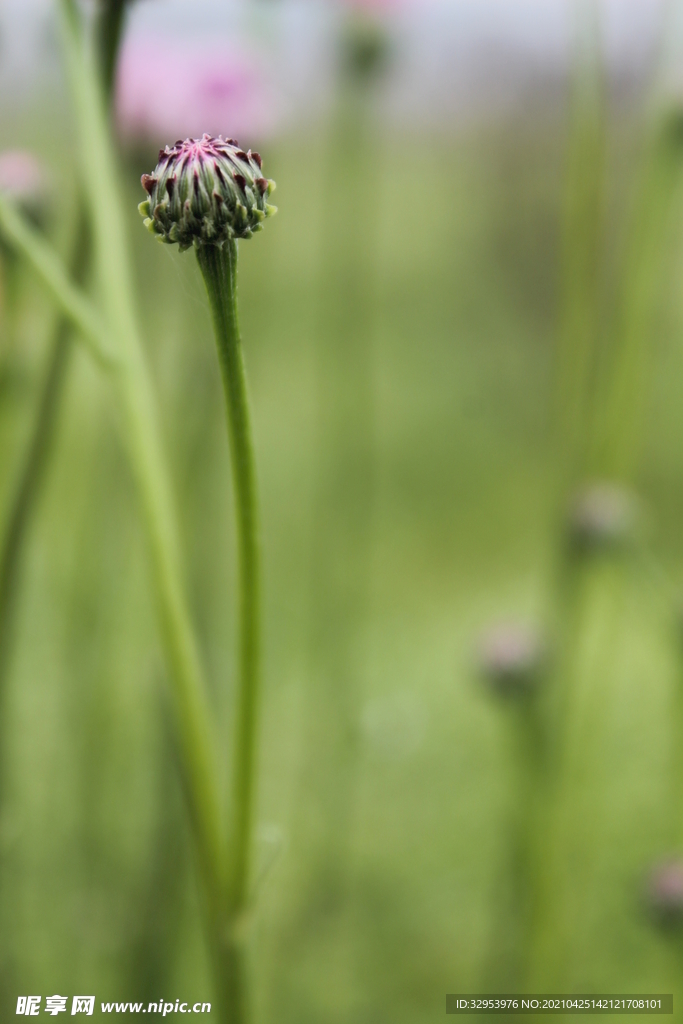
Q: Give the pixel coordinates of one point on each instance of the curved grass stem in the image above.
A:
(21, 236)
(134, 392)
(108, 31)
(619, 441)
(35, 461)
(109, 26)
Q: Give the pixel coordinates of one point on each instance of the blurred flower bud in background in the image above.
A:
(366, 44)
(664, 892)
(604, 516)
(168, 89)
(23, 180)
(511, 657)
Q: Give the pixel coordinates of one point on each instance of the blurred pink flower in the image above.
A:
(21, 176)
(169, 90)
(665, 891)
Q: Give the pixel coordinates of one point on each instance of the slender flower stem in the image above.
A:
(27, 490)
(109, 27)
(36, 458)
(153, 483)
(507, 963)
(579, 336)
(35, 462)
(604, 394)
(18, 233)
(581, 249)
(578, 360)
(219, 269)
(141, 429)
(344, 478)
(179, 648)
(219, 266)
(619, 438)
(108, 31)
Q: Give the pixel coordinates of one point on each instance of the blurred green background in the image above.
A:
(386, 780)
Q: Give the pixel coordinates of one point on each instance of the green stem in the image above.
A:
(510, 945)
(620, 430)
(108, 31)
(570, 819)
(344, 477)
(577, 371)
(141, 428)
(24, 499)
(9, 302)
(583, 218)
(609, 421)
(35, 461)
(219, 269)
(36, 458)
(581, 249)
(191, 714)
(24, 238)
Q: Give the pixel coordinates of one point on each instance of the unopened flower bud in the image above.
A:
(511, 657)
(664, 892)
(205, 192)
(604, 516)
(365, 45)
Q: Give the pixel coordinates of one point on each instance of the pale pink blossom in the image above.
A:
(168, 90)
(21, 176)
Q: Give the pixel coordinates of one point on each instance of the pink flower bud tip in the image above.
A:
(665, 891)
(21, 177)
(511, 656)
(604, 515)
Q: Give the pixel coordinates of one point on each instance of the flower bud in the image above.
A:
(511, 657)
(365, 46)
(603, 517)
(205, 192)
(664, 892)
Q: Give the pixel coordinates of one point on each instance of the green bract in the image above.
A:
(205, 192)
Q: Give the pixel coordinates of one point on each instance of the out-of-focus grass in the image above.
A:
(99, 894)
